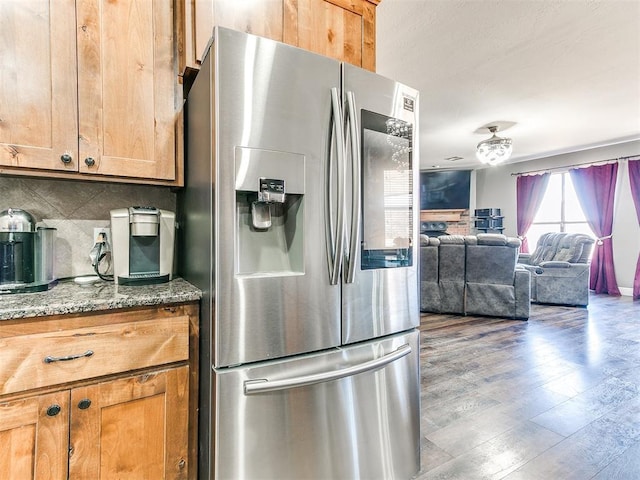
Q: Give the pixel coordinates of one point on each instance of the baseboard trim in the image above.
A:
(627, 292)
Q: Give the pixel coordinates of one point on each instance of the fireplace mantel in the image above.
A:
(441, 215)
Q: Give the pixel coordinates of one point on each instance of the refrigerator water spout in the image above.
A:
(271, 191)
(261, 215)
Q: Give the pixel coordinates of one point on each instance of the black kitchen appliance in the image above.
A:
(26, 253)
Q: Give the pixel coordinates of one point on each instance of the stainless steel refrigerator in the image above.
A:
(299, 222)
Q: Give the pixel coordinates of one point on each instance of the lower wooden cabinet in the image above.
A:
(34, 434)
(133, 428)
(135, 419)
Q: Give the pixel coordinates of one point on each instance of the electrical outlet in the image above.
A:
(97, 231)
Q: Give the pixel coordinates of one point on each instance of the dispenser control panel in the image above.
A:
(271, 190)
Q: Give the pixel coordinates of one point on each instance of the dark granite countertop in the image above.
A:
(68, 297)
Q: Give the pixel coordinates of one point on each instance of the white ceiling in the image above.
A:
(566, 72)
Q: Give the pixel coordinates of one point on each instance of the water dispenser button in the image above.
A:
(271, 190)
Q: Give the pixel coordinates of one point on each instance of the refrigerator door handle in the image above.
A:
(353, 131)
(262, 385)
(335, 231)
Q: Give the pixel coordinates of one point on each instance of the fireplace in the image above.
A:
(444, 222)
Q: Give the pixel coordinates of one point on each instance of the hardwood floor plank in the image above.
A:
(570, 416)
(576, 382)
(584, 454)
(454, 408)
(499, 456)
(553, 398)
(624, 467)
(431, 454)
(467, 433)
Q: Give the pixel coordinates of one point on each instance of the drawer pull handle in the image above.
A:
(50, 359)
(84, 404)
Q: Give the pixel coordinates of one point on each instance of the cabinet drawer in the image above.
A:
(44, 359)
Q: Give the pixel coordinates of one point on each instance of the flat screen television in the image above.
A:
(445, 190)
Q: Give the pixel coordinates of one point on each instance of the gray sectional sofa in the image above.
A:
(474, 275)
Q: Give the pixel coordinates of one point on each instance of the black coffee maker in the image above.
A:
(26, 253)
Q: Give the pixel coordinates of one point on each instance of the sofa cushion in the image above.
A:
(429, 264)
(451, 239)
(555, 264)
(538, 253)
(569, 249)
(563, 247)
(426, 241)
(514, 242)
(564, 286)
(587, 245)
(490, 264)
(547, 247)
(491, 239)
(490, 299)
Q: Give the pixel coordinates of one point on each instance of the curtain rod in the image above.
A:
(565, 167)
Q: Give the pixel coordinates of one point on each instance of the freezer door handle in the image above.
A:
(353, 131)
(262, 385)
(335, 230)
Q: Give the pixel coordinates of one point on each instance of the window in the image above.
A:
(560, 211)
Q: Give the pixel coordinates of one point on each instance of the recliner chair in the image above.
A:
(559, 268)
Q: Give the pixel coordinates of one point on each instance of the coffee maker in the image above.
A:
(26, 253)
(143, 244)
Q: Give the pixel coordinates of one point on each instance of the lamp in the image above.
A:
(494, 150)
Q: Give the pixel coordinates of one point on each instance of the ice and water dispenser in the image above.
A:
(269, 212)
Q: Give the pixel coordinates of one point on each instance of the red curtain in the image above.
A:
(634, 179)
(530, 191)
(596, 187)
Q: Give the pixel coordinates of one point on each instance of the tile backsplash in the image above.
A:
(74, 208)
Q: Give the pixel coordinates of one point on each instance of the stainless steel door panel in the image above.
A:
(364, 425)
(274, 98)
(379, 301)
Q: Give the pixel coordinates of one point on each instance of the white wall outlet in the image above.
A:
(97, 231)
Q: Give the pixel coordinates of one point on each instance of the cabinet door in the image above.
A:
(259, 17)
(134, 428)
(127, 88)
(38, 90)
(341, 29)
(34, 434)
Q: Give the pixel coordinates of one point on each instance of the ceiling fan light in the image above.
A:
(494, 150)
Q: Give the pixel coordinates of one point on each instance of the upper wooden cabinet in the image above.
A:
(38, 85)
(341, 29)
(89, 87)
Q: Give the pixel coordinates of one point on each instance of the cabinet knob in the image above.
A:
(84, 404)
(53, 410)
(65, 158)
(90, 161)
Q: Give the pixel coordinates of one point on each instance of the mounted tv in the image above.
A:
(445, 190)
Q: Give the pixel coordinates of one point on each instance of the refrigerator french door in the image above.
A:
(380, 294)
(298, 224)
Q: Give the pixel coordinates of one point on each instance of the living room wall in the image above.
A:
(496, 187)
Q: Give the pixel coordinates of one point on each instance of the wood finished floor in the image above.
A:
(553, 398)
